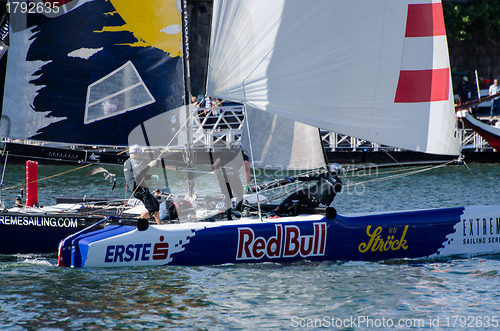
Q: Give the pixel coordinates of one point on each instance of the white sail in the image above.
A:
(279, 143)
(373, 69)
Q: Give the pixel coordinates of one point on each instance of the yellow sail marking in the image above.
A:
(155, 23)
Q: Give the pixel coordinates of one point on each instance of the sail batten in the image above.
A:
(377, 70)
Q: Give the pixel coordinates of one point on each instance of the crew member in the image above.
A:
(172, 208)
(135, 176)
(322, 193)
(226, 170)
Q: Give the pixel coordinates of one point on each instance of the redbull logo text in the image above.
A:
(286, 243)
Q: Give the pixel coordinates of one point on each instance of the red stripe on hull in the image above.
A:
(492, 139)
(423, 85)
(425, 20)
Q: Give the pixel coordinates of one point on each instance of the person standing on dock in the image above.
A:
(135, 176)
(463, 90)
(194, 101)
(495, 103)
(207, 112)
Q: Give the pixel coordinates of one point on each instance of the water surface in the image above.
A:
(452, 294)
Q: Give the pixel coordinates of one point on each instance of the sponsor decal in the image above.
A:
(66, 156)
(287, 242)
(477, 232)
(54, 222)
(137, 252)
(377, 243)
(481, 230)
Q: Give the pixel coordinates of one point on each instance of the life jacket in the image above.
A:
(175, 208)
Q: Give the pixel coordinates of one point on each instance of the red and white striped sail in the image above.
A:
(373, 69)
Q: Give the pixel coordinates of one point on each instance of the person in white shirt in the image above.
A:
(495, 103)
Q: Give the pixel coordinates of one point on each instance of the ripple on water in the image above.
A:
(36, 295)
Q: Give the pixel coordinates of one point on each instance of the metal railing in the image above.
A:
(218, 127)
(471, 140)
(337, 142)
(224, 124)
(333, 142)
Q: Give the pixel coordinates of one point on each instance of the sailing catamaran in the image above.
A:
(378, 70)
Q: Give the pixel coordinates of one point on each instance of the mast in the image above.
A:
(188, 151)
(325, 157)
(4, 34)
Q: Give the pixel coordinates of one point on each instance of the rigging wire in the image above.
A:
(3, 176)
(251, 157)
(45, 178)
(161, 153)
(409, 173)
(382, 173)
(386, 152)
(461, 159)
(56, 175)
(167, 146)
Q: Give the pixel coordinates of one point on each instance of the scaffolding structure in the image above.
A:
(224, 124)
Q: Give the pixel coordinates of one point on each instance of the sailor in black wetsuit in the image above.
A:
(135, 175)
(322, 193)
(226, 168)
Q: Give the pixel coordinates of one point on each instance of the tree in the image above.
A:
(472, 19)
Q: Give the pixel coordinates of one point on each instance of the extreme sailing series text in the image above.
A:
(55, 222)
(481, 230)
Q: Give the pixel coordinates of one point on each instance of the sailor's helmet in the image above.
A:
(234, 144)
(334, 169)
(135, 149)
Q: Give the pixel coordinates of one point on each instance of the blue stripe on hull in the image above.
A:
(397, 235)
(74, 249)
(369, 237)
(81, 243)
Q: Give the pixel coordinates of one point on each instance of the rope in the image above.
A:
(295, 188)
(253, 169)
(477, 180)
(383, 173)
(386, 152)
(90, 164)
(39, 180)
(409, 173)
(49, 177)
(159, 156)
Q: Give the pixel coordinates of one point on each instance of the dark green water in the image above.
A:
(454, 294)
